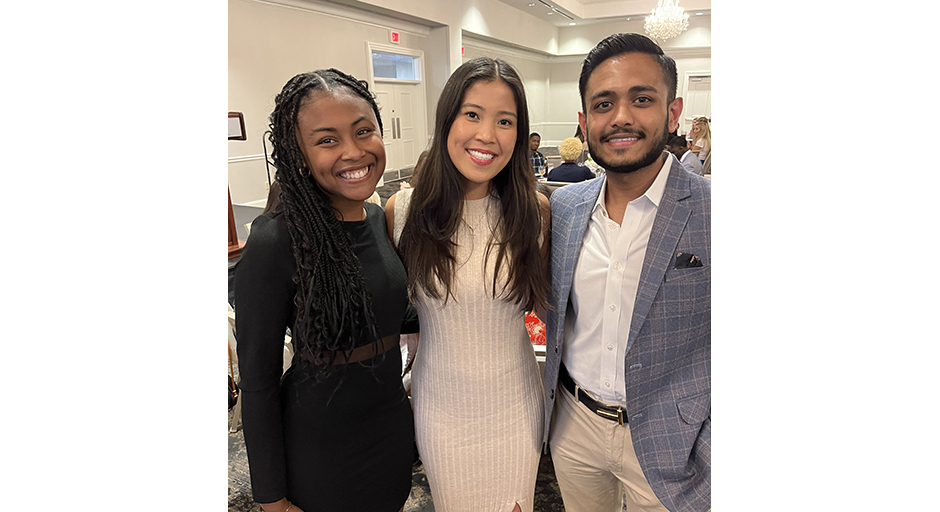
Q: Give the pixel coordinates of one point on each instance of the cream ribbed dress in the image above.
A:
(476, 387)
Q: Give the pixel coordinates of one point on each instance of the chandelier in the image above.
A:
(667, 20)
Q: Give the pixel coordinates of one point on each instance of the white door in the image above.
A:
(403, 123)
(697, 101)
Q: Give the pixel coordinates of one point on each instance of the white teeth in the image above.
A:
(353, 175)
(481, 156)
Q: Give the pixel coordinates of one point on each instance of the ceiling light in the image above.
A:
(628, 19)
(699, 13)
(667, 20)
(531, 5)
(572, 23)
(550, 13)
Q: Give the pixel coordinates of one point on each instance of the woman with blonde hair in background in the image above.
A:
(570, 171)
(701, 137)
(473, 234)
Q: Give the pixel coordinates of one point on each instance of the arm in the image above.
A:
(390, 219)
(545, 210)
(263, 303)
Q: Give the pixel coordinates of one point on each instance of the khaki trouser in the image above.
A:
(595, 462)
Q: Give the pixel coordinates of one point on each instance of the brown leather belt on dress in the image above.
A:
(610, 413)
(369, 351)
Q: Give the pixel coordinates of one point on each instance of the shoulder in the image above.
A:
(576, 192)
(268, 251)
(544, 204)
(375, 214)
(268, 232)
(396, 208)
(700, 186)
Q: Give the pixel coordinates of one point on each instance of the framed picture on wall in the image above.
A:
(236, 126)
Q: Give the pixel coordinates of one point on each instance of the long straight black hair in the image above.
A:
(427, 241)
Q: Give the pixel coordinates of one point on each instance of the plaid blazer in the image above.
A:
(668, 358)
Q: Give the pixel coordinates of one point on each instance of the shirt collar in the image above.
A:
(654, 193)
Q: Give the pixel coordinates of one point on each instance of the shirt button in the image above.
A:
(607, 384)
(617, 266)
(611, 225)
(610, 347)
(613, 307)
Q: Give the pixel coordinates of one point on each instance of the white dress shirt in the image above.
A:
(603, 293)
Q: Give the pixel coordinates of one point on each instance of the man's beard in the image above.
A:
(647, 159)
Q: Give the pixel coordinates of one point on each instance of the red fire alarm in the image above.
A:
(461, 50)
(395, 37)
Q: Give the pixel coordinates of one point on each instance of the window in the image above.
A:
(389, 65)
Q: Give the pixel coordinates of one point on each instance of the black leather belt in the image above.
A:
(610, 413)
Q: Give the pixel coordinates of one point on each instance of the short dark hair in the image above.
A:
(534, 134)
(618, 44)
(677, 141)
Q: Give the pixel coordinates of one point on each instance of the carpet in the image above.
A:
(547, 495)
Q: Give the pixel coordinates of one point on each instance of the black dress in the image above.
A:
(342, 444)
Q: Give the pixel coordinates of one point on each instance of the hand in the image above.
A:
(280, 505)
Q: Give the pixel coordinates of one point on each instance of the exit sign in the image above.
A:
(395, 37)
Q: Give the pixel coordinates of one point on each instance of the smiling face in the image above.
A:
(339, 137)
(627, 115)
(482, 137)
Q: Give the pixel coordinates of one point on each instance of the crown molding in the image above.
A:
(352, 14)
(689, 52)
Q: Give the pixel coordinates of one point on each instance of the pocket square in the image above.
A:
(687, 260)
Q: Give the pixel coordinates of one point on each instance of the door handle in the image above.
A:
(398, 124)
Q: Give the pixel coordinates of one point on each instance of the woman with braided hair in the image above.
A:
(336, 432)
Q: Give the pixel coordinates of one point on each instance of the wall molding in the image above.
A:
(690, 52)
(481, 42)
(349, 14)
(245, 158)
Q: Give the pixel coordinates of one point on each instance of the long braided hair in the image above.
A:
(334, 311)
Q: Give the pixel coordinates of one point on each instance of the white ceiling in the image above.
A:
(584, 12)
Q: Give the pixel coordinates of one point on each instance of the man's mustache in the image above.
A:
(623, 131)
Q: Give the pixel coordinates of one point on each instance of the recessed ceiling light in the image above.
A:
(550, 13)
(628, 19)
(699, 13)
(572, 23)
(531, 5)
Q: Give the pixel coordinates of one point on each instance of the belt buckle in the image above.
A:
(612, 416)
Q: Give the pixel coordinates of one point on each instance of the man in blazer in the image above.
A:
(628, 367)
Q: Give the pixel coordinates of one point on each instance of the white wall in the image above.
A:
(270, 43)
(272, 40)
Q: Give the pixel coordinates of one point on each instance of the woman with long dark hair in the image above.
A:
(336, 432)
(473, 234)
